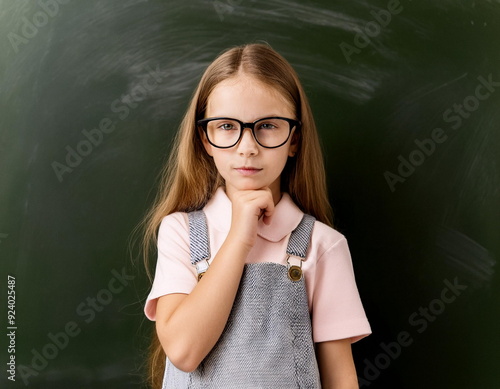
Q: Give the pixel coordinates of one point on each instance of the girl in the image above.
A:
(253, 287)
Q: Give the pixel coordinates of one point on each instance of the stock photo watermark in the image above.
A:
(420, 321)
(32, 24)
(426, 147)
(11, 327)
(87, 311)
(94, 137)
(372, 29)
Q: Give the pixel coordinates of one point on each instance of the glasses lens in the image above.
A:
(223, 132)
(272, 132)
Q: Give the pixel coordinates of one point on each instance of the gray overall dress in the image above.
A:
(267, 342)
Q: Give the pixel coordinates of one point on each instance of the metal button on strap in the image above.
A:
(294, 271)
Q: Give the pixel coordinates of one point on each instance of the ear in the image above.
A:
(294, 144)
(206, 144)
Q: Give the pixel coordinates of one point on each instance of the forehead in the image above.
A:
(246, 98)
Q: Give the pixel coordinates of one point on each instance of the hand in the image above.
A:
(248, 206)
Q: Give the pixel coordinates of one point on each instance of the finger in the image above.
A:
(269, 212)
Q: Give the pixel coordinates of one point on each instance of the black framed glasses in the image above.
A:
(270, 132)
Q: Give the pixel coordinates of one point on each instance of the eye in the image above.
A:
(227, 126)
(267, 126)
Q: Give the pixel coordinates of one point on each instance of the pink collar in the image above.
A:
(285, 219)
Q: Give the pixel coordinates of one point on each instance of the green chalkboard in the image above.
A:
(406, 97)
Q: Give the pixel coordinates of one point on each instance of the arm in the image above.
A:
(337, 314)
(336, 366)
(188, 326)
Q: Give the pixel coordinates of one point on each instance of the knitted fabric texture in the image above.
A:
(300, 237)
(199, 244)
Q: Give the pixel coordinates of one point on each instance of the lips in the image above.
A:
(247, 170)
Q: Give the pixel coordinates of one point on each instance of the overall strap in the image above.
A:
(297, 247)
(300, 237)
(198, 241)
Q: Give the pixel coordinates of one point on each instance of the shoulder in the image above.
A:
(326, 233)
(174, 220)
(174, 226)
(325, 238)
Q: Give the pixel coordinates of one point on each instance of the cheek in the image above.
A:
(278, 162)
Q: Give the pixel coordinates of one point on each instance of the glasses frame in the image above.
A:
(293, 125)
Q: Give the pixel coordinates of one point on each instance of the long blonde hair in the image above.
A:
(190, 177)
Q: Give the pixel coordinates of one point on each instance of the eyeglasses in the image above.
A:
(269, 132)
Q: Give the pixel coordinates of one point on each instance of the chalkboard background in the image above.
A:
(406, 97)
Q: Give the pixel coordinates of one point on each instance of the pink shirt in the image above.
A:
(334, 302)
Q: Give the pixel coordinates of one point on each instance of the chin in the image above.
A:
(250, 187)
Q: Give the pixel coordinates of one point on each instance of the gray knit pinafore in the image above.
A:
(267, 342)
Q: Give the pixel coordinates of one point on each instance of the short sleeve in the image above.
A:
(174, 272)
(337, 311)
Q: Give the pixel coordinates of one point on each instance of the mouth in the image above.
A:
(247, 170)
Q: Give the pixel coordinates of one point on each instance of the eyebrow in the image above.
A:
(260, 117)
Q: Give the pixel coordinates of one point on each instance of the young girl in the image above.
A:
(253, 287)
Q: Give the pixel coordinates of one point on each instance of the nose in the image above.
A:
(248, 145)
